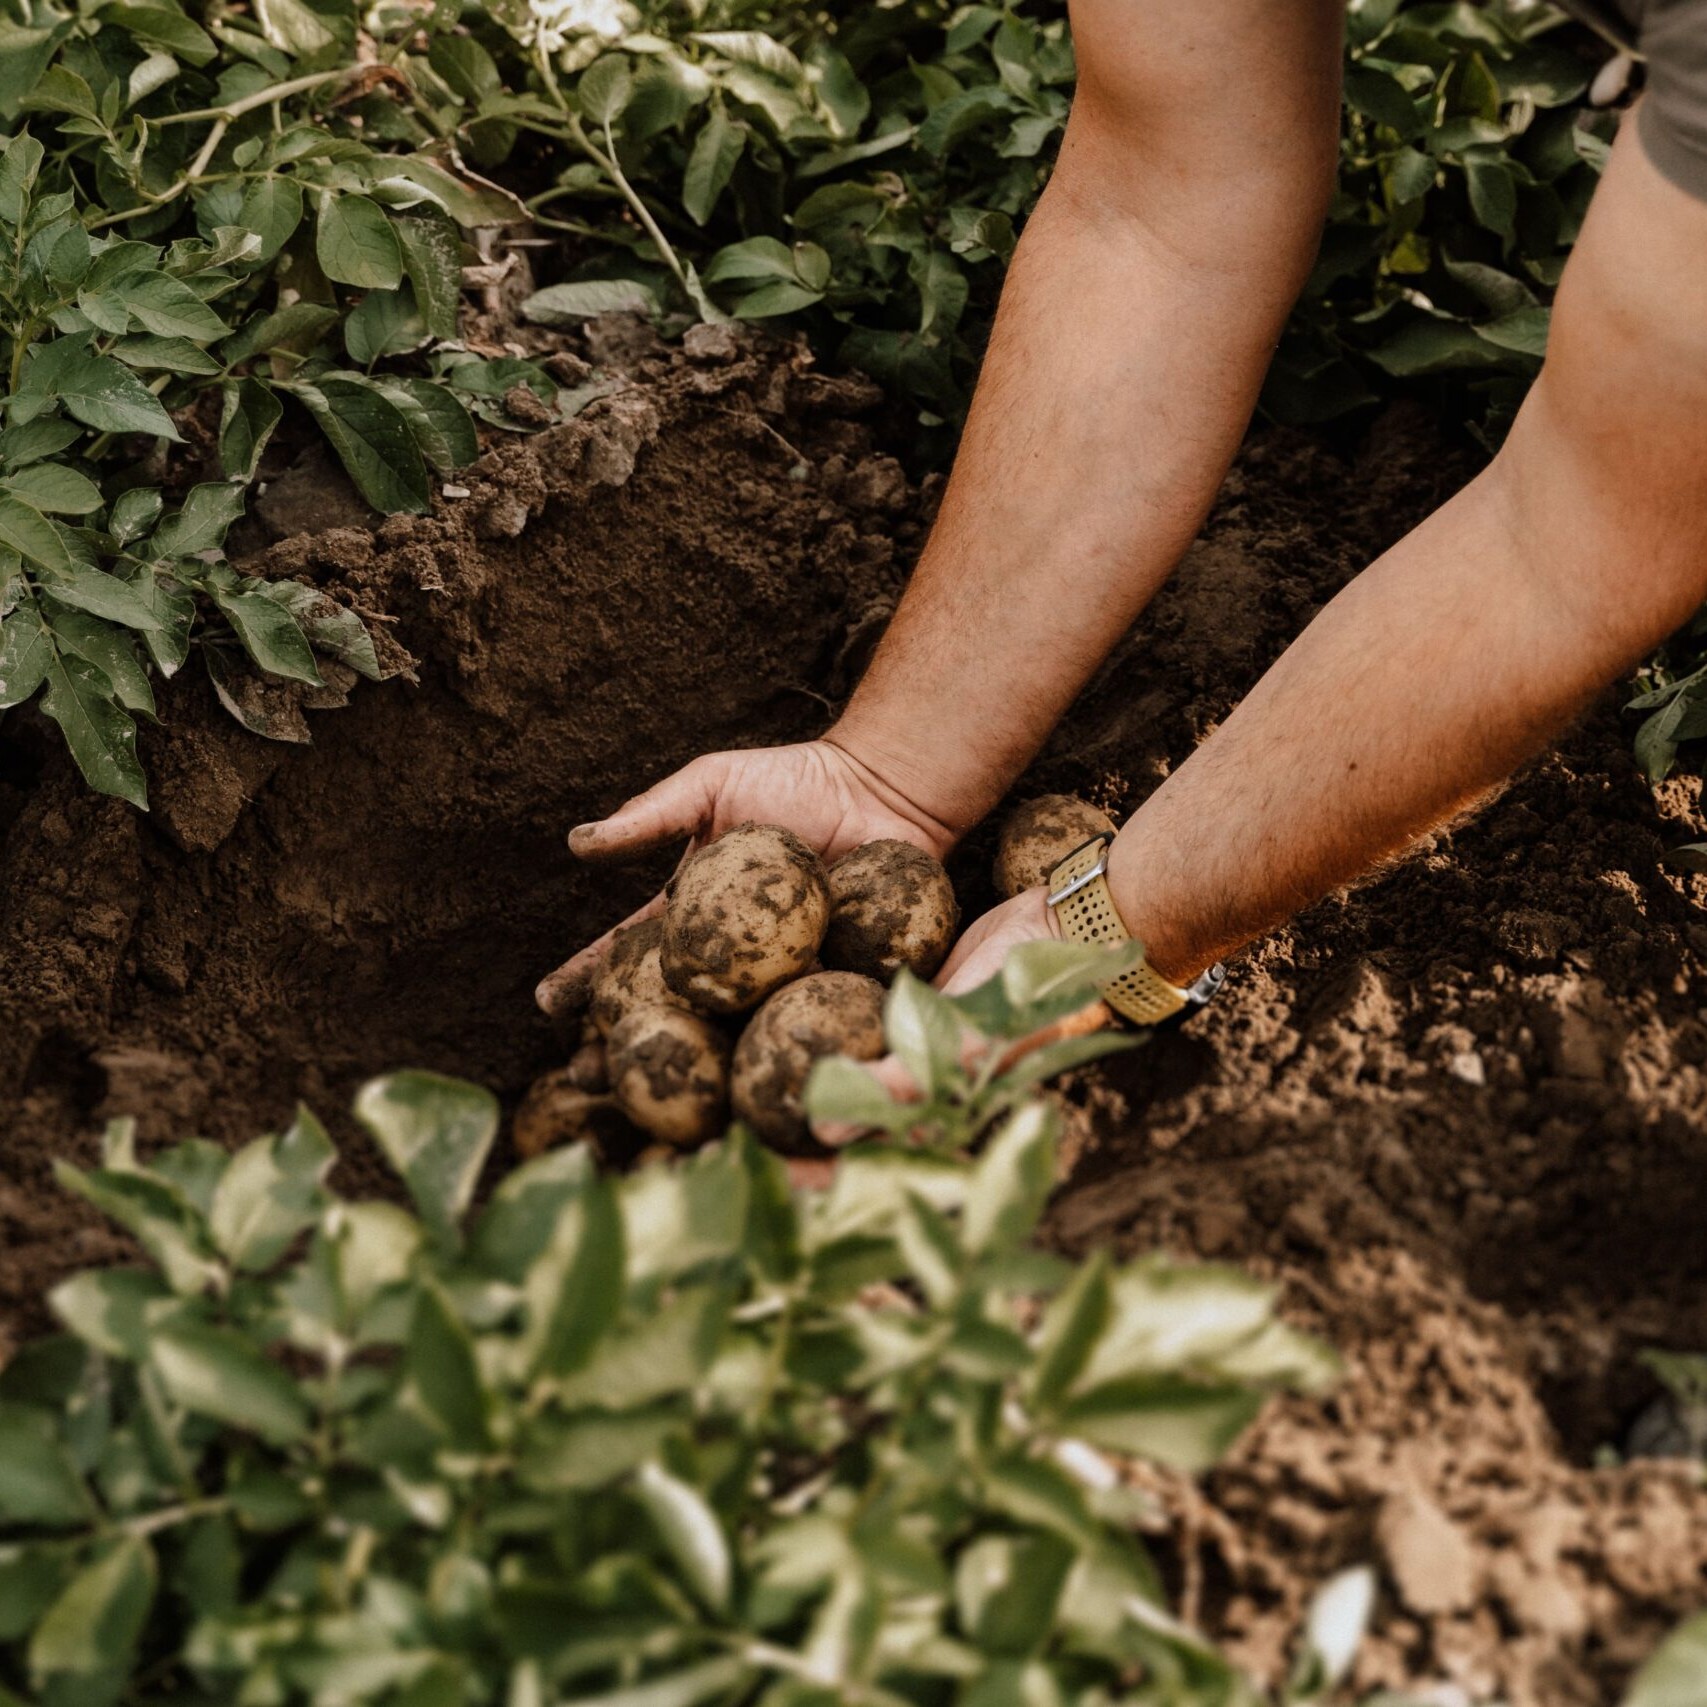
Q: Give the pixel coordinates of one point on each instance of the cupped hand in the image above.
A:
(820, 790)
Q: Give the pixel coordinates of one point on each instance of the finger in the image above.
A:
(564, 993)
(678, 806)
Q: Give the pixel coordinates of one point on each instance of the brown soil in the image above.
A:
(1460, 1115)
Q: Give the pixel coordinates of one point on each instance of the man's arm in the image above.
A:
(1461, 652)
(1137, 322)
(1136, 325)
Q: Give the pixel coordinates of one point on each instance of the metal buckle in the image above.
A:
(1203, 990)
(1100, 869)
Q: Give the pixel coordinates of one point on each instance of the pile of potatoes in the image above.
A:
(763, 961)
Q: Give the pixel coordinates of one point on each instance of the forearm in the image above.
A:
(1135, 329)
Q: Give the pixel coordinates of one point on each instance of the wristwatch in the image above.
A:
(1084, 907)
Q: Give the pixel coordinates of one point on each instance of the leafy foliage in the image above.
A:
(1674, 698)
(1466, 166)
(685, 1436)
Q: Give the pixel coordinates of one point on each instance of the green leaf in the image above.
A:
(432, 259)
(575, 1287)
(155, 1217)
(270, 1194)
(1493, 195)
(218, 1373)
(270, 635)
(201, 524)
(1184, 1424)
(249, 413)
(690, 1531)
(444, 1379)
(26, 652)
(385, 323)
(97, 390)
(32, 440)
(171, 29)
(1523, 330)
(39, 1483)
(1071, 1327)
(436, 1133)
(18, 168)
(272, 209)
(293, 330)
(569, 304)
(89, 1635)
(111, 650)
(711, 164)
(840, 1089)
(31, 1579)
(109, 1309)
(606, 87)
(709, 1680)
(99, 733)
(1007, 1590)
(55, 488)
(443, 428)
(25, 530)
(1673, 1676)
(924, 1030)
(295, 28)
(357, 244)
(1011, 1182)
(373, 441)
(134, 513)
(169, 308)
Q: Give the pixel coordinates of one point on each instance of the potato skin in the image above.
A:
(631, 977)
(745, 916)
(556, 1111)
(669, 1073)
(1039, 834)
(829, 1013)
(891, 905)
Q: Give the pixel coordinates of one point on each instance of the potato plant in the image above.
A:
(685, 1436)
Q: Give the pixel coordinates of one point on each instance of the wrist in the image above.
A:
(889, 773)
(1140, 892)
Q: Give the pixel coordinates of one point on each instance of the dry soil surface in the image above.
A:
(1460, 1114)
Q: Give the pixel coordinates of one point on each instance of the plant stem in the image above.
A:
(170, 1516)
(607, 163)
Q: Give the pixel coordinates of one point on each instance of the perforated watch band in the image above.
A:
(1084, 906)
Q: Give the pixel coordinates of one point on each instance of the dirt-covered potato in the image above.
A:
(669, 1073)
(557, 1111)
(1039, 835)
(588, 1070)
(745, 916)
(631, 977)
(830, 1013)
(891, 905)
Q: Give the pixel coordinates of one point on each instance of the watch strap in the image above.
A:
(1084, 907)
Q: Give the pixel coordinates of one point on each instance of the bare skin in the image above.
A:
(1178, 228)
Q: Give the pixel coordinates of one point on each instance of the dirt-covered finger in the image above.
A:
(565, 993)
(672, 810)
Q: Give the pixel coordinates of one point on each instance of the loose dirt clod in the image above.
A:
(891, 905)
(669, 1073)
(1039, 834)
(829, 1013)
(631, 977)
(745, 916)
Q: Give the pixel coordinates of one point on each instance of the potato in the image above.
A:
(588, 1070)
(891, 905)
(830, 1013)
(631, 977)
(557, 1111)
(1039, 835)
(669, 1073)
(745, 915)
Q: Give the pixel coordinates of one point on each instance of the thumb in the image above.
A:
(669, 811)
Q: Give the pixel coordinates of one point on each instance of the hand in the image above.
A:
(820, 790)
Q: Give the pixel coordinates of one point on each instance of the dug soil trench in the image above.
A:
(1460, 1115)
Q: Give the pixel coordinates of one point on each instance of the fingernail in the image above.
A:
(581, 835)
